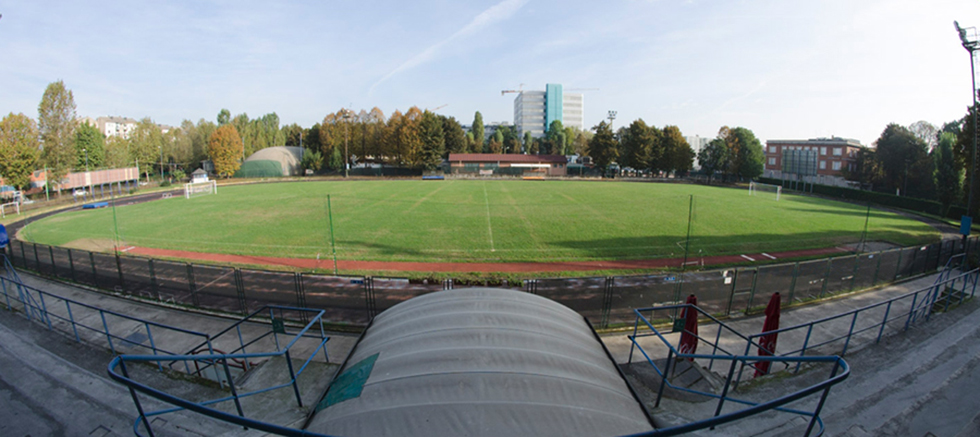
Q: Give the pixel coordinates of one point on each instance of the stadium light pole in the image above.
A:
(970, 43)
(345, 114)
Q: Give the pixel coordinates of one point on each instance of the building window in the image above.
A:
(838, 151)
(772, 161)
(836, 165)
(823, 151)
(772, 149)
(823, 165)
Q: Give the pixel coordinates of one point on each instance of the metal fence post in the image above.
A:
(191, 285)
(71, 266)
(731, 294)
(755, 279)
(607, 300)
(23, 255)
(71, 319)
(240, 286)
(898, 266)
(826, 278)
(854, 272)
(915, 254)
(95, 274)
(300, 295)
(153, 279)
(122, 282)
(37, 260)
(54, 267)
(874, 280)
(792, 284)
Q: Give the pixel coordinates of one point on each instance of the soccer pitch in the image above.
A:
(479, 221)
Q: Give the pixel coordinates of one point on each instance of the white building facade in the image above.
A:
(535, 110)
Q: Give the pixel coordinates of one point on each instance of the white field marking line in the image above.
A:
(768, 255)
(486, 201)
(216, 280)
(127, 249)
(748, 258)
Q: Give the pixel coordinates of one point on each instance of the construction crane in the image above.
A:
(519, 90)
(437, 108)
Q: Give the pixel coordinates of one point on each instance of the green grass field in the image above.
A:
(479, 221)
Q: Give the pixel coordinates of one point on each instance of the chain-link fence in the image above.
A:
(605, 301)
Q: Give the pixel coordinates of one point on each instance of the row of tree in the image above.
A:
(919, 160)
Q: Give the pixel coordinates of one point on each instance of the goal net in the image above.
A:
(200, 189)
(756, 188)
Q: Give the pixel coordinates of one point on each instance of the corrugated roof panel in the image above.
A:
(483, 362)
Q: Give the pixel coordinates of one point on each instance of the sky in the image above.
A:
(784, 69)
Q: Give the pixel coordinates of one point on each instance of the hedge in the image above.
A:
(930, 207)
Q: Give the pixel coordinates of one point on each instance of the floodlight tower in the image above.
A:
(611, 117)
(968, 36)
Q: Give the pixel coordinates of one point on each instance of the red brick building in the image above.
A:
(833, 155)
(490, 164)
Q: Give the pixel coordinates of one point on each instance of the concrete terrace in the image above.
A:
(912, 383)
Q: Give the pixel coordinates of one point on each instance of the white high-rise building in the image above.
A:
(535, 110)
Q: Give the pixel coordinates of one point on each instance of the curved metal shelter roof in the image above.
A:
(288, 157)
(479, 362)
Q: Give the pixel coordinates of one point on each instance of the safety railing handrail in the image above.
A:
(214, 359)
(111, 312)
(864, 308)
(755, 408)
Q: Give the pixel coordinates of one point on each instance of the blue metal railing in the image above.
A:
(888, 311)
(222, 360)
(839, 373)
(35, 305)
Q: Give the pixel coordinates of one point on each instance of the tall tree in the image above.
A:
(496, 143)
(117, 152)
(745, 156)
(224, 148)
(713, 157)
(905, 161)
(19, 149)
(555, 139)
(293, 135)
(528, 142)
(602, 147)
(636, 145)
(867, 169)
(947, 175)
(478, 132)
(146, 145)
(89, 147)
(56, 123)
(433, 139)
(455, 138)
(224, 117)
(925, 131)
(678, 154)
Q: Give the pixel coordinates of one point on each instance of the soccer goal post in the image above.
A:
(756, 187)
(200, 189)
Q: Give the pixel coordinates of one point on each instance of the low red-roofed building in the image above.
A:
(488, 164)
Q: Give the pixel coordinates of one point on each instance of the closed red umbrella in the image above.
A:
(767, 343)
(689, 339)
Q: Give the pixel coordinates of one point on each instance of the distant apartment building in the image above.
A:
(535, 110)
(833, 156)
(118, 126)
(697, 143)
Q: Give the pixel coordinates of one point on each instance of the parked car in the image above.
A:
(78, 192)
